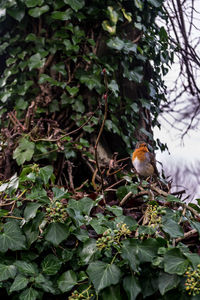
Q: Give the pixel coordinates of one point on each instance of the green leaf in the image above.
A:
(46, 173)
(19, 283)
(24, 152)
(131, 286)
(107, 27)
(59, 193)
(38, 11)
(39, 194)
(7, 272)
(72, 90)
(51, 264)
(116, 43)
(36, 61)
(78, 106)
(67, 281)
(144, 251)
(87, 252)
(17, 13)
(5, 96)
(139, 4)
(116, 210)
(155, 3)
(31, 211)
(56, 233)
(172, 228)
(91, 81)
(3, 212)
(33, 3)
(167, 282)
(171, 198)
(26, 268)
(194, 258)
(102, 274)
(75, 4)
(175, 262)
(111, 293)
(22, 89)
(12, 238)
(122, 191)
(29, 294)
(134, 75)
(129, 254)
(113, 86)
(63, 16)
(44, 284)
(83, 205)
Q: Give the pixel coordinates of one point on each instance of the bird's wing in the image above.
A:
(153, 162)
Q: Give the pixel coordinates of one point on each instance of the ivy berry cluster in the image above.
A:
(83, 295)
(112, 237)
(192, 284)
(154, 214)
(56, 212)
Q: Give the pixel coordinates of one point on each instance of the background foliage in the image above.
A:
(74, 225)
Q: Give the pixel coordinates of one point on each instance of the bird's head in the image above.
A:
(142, 145)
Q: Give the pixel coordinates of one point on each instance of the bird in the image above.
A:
(143, 161)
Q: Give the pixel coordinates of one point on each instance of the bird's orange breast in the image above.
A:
(140, 153)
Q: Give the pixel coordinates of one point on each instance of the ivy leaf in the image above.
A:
(134, 75)
(88, 251)
(38, 11)
(175, 262)
(17, 13)
(90, 80)
(116, 43)
(38, 193)
(139, 4)
(132, 287)
(51, 264)
(107, 27)
(36, 61)
(75, 4)
(111, 293)
(113, 86)
(83, 206)
(33, 3)
(31, 210)
(72, 90)
(12, 238)
(46, 173)
(102, 274)
(26, 268)
(63, 16)
(29, 294)
(67, 281)
(167, 282)
(129, 254)
(172, 228)
(43, 283)
(19, 283)
(24, 152)
(7, 272)
(155, 3)
(56, 233)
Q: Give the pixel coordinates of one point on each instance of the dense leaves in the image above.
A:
(74, 225)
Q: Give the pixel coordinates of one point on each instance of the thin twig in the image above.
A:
(186, 235)
(125, 198)
(100, 132)
(67, 134)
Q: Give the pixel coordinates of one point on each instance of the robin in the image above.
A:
(144, 161)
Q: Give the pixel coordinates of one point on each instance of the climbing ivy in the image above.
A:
(73, 74)
(53, 54)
